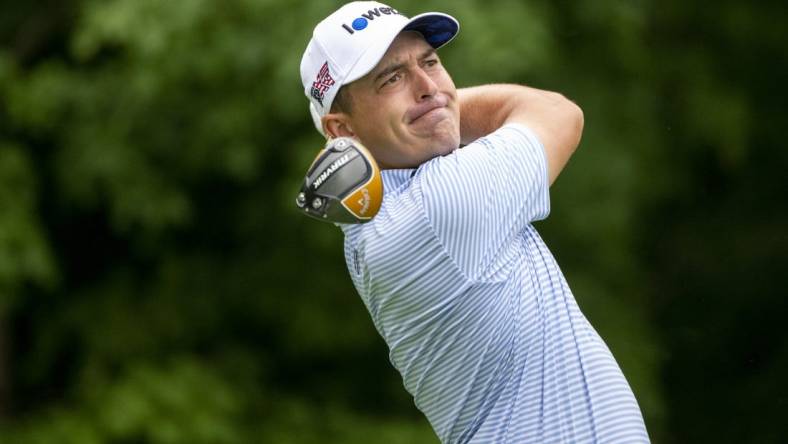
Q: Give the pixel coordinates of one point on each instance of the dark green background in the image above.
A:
(158, 286)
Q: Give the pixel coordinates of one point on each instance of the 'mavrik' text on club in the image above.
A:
(330, 170)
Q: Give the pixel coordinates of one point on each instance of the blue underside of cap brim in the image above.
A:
(436, 29)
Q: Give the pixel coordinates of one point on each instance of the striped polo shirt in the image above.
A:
(478, 317)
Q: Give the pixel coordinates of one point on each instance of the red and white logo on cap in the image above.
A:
(322, 83)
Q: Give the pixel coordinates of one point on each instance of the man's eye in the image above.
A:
(431, 62)
(393, 79)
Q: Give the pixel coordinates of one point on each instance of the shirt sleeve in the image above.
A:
(479, 197)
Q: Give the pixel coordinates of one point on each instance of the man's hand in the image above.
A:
(556, 120)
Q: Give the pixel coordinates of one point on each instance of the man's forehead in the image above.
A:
(406, 41)
(406, 45)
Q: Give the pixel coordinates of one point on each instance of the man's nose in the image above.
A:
(425, 86)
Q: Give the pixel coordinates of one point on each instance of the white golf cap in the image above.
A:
(348, 44)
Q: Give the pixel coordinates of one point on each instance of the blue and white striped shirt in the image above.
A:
(477, 315)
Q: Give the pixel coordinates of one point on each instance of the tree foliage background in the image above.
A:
(158, 286)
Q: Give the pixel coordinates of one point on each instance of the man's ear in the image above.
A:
(337, 125)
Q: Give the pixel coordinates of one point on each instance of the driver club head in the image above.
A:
(342, 185)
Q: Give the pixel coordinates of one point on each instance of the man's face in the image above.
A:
(405, 110)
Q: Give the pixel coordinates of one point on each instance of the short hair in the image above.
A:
(342, 103)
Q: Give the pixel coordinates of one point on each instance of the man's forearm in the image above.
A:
(485, 108)
(557, 121)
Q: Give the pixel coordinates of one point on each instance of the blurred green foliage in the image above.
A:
(157, 285)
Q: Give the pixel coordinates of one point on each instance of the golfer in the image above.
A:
(478, 317)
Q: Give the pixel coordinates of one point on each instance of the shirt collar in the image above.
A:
(394, 179)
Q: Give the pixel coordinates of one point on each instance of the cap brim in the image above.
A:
(437, 28)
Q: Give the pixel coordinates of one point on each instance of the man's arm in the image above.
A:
(557, 121)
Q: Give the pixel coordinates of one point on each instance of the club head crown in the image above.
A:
(342, 185)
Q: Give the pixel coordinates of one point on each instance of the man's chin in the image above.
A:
(444, 143)
(443, 137)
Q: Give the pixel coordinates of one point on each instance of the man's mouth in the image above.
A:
(423, 108)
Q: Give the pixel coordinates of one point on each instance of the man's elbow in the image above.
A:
(573, 120)
(577, 120)
(571, 117)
